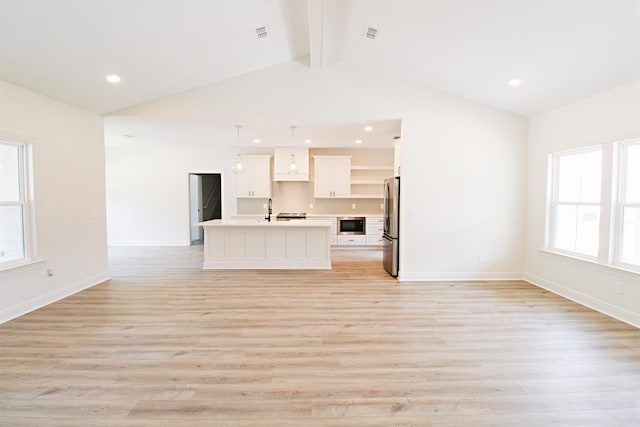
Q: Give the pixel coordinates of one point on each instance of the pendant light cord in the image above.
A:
(293, 168)
(238, 167)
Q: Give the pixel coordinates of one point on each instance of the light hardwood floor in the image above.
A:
(165, 343)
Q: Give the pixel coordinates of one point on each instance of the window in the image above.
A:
(629, 205)
(594, 204)
(15, 207)
(576, 201)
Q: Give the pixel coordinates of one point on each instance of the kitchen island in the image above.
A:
(259, 244)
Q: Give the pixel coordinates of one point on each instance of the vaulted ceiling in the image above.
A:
(561, 50)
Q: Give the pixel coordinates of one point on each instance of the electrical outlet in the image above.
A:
(481, 259)
(264, 206)
(353, 206)
(381, 206)
(619, 288)
(310, 205)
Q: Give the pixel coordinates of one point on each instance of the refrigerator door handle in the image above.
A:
(386, 207)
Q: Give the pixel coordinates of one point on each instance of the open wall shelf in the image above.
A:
(367, 180)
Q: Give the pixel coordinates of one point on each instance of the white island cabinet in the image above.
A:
(251, 244)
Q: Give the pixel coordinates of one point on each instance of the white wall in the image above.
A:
(610, 116)
(148, 178)
(463, 171)
(463, 201)
(68, 163)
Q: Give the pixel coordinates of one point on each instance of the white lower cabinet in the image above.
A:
(373, 236)
(375, 229)
(351, 240)
(374, 240)
(248, 244)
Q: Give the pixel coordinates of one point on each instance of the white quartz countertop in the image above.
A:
(342, 215)
(241, 216)
(265, 223)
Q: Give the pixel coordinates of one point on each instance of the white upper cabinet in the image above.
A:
(397, 155)
(332, 176)
(342, 177)
(256, 179)
(282, 161)
(322, 185)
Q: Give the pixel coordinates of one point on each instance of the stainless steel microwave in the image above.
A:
(352, 225)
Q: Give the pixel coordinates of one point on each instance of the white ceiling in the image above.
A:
(561, 49)
(121, 130)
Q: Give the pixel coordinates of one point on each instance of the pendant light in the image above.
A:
(238, 166)
(293, 168)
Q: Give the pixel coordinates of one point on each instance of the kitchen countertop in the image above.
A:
(309, 215)
(343, 215)
(265, 223)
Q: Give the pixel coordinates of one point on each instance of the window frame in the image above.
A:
(622, 164)
(612, 190)
(553, 202)
(25, 201)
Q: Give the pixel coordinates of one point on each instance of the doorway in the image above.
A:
(205, 202)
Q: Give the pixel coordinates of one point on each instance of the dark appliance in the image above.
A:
(286, 216)
(391, 222)
(352, 225)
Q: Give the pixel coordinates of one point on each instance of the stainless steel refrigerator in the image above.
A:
(391, 235)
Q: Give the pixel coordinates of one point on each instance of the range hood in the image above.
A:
(282, 162)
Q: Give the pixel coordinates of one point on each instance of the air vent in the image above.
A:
(261, 33)
(371, 33)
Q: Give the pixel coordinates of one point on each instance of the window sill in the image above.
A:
(626, 272)
(22, 265)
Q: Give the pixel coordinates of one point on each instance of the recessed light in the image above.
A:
(515, 82)
(368, 128)
(358, 141)
(113, 79)
(257, 140)
(128, 135)
(307, 141)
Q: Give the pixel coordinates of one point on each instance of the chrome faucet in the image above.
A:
(268, 217)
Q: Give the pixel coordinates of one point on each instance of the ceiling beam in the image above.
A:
(316, 32)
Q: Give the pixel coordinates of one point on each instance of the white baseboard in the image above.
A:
(586, 300)
(267, 265)
(149, 243)
(458, 276)
(51, 297)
